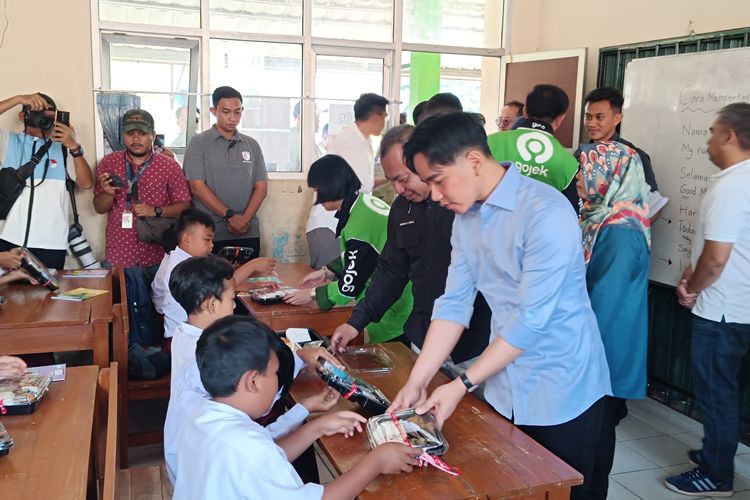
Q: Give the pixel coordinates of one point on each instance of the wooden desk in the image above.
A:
(282, 316)
(31, 322)
(496, 459)
(50, 456)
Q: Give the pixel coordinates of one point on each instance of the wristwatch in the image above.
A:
(229, 214)
(77, 152)
(158, 211)
(470, 386)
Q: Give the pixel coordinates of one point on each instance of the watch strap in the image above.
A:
(470, 386)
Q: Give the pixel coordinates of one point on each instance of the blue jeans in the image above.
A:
(717, 352)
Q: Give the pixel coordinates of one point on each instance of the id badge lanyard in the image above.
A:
(131, 195)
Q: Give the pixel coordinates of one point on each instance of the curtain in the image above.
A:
(111, 108)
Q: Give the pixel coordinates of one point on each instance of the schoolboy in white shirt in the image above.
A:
(224, 454)
(194, 232)
(203, 286)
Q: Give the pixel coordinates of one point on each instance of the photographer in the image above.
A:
(38, 219)
(137, 182)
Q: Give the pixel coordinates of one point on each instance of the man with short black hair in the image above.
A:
(508, 115)
(716, 287)
(603, 113)
(38, 219)
(532, 147)
(227, 174)
(151, 184)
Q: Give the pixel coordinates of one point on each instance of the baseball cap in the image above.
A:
(137, 119)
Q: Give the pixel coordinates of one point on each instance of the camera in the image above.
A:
(81, 248)
(38, 119)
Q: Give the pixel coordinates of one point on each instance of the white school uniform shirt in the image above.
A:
(187, 392)
(225, 455)
(725, 217)
(162, 298)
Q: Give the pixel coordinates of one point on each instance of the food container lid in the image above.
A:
(421, 431)
(366, 359)
(24, 390)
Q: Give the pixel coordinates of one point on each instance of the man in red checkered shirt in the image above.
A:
(137, 182)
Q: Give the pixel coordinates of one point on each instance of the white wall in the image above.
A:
(543, 25)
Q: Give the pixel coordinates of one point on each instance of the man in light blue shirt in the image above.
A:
(517, 241)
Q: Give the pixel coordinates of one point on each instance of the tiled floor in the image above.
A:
(652, 443)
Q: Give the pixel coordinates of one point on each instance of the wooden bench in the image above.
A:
(131, 390)
(137, 483)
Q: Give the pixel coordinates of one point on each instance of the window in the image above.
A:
(299, 64)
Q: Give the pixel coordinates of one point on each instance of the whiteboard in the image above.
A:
(670, 103)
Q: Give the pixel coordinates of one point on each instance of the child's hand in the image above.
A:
(11, 366)
(264, 265)
(395, 458)
(322, 401)
(340, 422)
(19, 275)
(310, 354)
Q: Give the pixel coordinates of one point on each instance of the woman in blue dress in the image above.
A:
(616, 238)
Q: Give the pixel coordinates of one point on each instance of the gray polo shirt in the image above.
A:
(230, 172)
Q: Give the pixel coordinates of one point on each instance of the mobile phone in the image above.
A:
(159, 142)
(116, 181)
(63, 117)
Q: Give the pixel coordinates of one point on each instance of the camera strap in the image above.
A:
(27, 171)
(132, 193)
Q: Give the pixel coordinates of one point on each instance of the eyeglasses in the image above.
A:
(501, 120)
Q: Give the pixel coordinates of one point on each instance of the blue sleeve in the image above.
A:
(457, 303)
(544, 272)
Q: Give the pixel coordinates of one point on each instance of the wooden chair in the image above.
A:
(125, 484)
(132, 390)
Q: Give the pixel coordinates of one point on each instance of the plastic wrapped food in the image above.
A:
(421, 431)
(21, 395)
(267, 297)
(352, 388)
(37, 270)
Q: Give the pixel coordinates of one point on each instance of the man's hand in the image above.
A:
(340, 422)
(322, 401)
(443, 401)
(310, 355)
(19, 275)
(685, 298)
(395, 458)
(410, 395)
(342, 335)
(65, 134)
(238, 224)
(313, 279)
(10, 259)
(143, 210)
(105, 181)
(11, 366)
(299, 298)
(35, 101)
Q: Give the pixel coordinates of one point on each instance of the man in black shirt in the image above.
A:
(418, 249)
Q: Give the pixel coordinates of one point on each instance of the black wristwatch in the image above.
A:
(229, 214)
(158, 211)
(470, 386)
(77, 152)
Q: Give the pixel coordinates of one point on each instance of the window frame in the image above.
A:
(104, 31)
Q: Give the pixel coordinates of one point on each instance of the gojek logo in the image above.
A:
(536, 146)
(350, 273)
(376, 204)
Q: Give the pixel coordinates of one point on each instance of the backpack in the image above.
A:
(146, 326)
